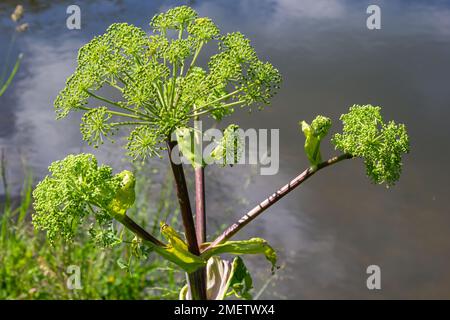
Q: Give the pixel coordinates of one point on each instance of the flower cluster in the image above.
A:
(380, 144)
(160, 85)
(77, 188)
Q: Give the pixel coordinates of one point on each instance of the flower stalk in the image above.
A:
(272, 199)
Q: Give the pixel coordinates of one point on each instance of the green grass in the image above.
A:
(32, 269)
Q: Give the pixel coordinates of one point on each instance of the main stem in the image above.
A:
(197, 283)
(275, 197)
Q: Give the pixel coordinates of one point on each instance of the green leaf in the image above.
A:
(240, 282)
(177, 251)
(251, 246)
(123, 264)
(125, 195)
(314, 133)
(184, 293)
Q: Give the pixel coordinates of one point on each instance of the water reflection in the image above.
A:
(337, 224)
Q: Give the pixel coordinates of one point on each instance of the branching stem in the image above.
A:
(194, 59)
(232, 104)
(218, 100)
(130, 123)
(118, 105)
(139, 231)
(116, 113)
(268, 202)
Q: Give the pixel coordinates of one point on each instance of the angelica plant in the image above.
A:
(162, 91)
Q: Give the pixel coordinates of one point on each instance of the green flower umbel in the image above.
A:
(159, 84)
(380, 144)
(76, 188)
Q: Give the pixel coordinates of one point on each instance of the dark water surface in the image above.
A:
(336, 224)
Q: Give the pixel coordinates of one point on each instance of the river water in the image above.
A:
(337, 224)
